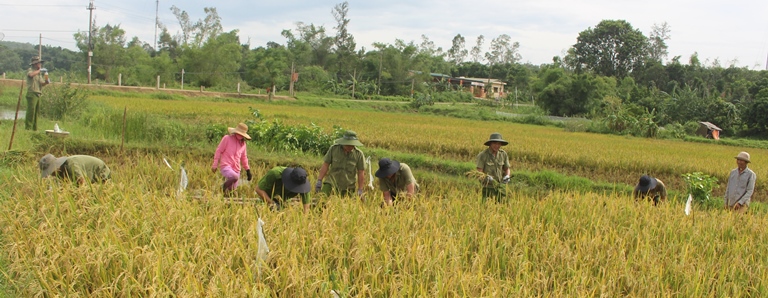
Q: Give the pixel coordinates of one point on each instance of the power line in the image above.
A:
(32, 30)
(39, 5)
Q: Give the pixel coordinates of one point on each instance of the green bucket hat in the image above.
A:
(496, 137)
(35, 60)
(349, 138)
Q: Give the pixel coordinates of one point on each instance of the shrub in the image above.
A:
(421, 100)
(63, 100)
(700, 186)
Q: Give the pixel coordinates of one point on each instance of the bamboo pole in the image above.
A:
(16, 118)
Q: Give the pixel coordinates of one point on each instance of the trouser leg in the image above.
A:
(231, 179)
(33, 106)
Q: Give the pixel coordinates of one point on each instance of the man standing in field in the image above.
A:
(650, 187)
(741, 185)
(396, 180)
(494, 163)
(230, 156)
(37, 78)
(80, 168)
(283, 183)
(344, 164)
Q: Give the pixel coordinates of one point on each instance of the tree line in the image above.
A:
(614, 73)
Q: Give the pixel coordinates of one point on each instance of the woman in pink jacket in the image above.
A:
(230, 155)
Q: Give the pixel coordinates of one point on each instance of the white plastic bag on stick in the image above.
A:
(370, 175)
(263, 250)
(183, 181)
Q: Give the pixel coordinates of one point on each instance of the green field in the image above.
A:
(569, 227)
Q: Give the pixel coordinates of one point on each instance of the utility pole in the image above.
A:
(290, 86)
(378, 90)
(90, 43)
(40, 47)
(157, 22)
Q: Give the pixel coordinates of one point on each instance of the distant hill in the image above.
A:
(13, 45)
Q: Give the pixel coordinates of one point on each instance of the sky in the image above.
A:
(725, 32)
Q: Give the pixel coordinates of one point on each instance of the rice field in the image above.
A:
(134, 237)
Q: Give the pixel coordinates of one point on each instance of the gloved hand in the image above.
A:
(43, 70)
(318, 185)
(489, 179)
(506, 179)
(248, 174)
(360, 194)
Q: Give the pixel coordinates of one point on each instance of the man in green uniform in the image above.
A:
(396, 178)
(283, 183)
(36, 79)
(80, 168)
(344, 164)
(494, 163)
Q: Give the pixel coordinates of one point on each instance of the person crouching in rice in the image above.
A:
(396, 180)
(651, 188)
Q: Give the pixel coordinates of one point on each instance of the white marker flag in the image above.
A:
(183, 181)
(688, 207)
(263, 252)
(370, 176)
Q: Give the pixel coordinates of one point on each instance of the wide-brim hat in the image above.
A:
(743, 156)
(387, 167)
(349, 138)
(49, 164)
(295, 180)
(646, 183)
(496, 137)
(35, 60)
(241, 129)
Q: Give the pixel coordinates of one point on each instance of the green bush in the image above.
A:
(60, 101)
(421, 100)
(700, 186)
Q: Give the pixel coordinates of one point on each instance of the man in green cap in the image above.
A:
(494, 163)
(36, 79)
(283, 183)
(344, 165)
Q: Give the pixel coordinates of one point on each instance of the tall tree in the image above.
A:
(503, 50)
(344, 41)
(108, 49)
(477, 50)
(457, 53)
(612, 48)
(658, 41)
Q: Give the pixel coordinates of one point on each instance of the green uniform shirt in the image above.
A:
(88, 167)
(403, 177)
(272, 184)
(493, 165)
(343, 167)
(35, 84)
